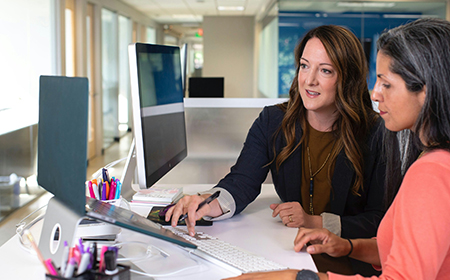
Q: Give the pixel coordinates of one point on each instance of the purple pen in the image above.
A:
(80, 241)
(104, 191)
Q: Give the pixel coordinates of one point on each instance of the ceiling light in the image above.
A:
(230, 8)
(183, 16)
(378, 5)
(366, 4)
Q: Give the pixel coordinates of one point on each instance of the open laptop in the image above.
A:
(62, 162)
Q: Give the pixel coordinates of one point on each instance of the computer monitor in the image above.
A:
(184, 61)
(158, 112)
(62, 162)
(206, 87)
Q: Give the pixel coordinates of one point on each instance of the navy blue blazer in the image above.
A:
(360, 215)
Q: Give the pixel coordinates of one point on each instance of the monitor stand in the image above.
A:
(63, 224)
(129, 174)
(58, 217)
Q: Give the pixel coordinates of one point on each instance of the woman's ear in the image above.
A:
(422, 95)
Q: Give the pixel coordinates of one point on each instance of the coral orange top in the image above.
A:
(414, 235)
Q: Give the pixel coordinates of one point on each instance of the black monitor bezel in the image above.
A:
(148, 180)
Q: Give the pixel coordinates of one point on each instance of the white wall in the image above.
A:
(268, 60)
(228, 51)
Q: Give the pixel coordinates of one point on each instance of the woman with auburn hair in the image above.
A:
(412, 89)
(322, 147)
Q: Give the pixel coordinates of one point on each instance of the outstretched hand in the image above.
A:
(323, 241)
(293, 215)
(189, 204)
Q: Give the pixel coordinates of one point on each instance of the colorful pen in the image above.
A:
(80, 241)
(118, 189)
(96, 193)
(101, 265)
(35, 247)
(70, 268)
(49, 265)
(91, 190)
(84, 262)
(65, 257)
(105, 175)
(110, 262)
(76, 254)
(104, 191)
(107, 190)
(94, 255)
(100, 189)
(112, 191)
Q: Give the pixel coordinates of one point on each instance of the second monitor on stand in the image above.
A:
(206, 87)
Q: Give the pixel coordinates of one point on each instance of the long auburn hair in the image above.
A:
(356, 116)
(420, 54)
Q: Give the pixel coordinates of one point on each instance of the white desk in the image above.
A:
(254, 230)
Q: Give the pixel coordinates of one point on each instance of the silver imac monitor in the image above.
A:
(158, 111)
(184, 66)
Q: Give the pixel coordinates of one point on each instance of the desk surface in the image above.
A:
(254, 230)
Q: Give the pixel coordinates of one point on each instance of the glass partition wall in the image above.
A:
(366, 19)
(26, 51)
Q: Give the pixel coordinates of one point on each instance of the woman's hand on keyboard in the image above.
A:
(322, 241)
(189, 204)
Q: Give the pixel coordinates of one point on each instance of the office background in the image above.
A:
(247, 42)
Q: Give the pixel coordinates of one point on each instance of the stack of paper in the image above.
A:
(158, 195)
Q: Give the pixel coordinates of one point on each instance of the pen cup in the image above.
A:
(123, 273)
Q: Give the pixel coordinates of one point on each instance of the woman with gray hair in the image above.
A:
(412, 88)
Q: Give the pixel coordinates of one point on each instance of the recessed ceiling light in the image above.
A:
(183, 16)
(366, 4)
(230, 8)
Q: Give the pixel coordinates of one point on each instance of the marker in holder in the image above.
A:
(123, 273)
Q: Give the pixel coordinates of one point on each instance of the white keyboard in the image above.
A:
(224, 254)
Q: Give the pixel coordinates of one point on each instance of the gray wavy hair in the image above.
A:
(420, 53)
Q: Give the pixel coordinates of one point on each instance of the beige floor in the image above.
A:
(117, 151)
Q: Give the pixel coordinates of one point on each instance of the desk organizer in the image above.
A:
(122, 274)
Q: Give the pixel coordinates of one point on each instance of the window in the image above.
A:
(124, 75)
(70, 38)
(151, 35)
(366, 19)
(26, 52)
(110, 77)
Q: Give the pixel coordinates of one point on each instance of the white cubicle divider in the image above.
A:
(231, 102)
(216, 130)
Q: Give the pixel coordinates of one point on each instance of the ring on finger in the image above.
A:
(290, 218)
